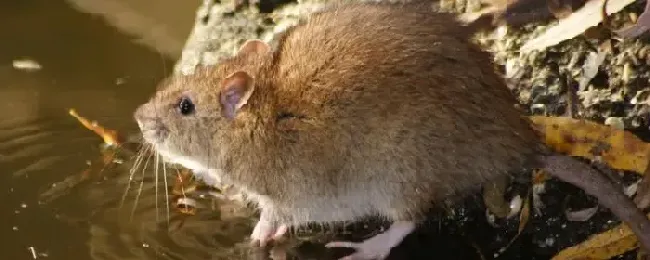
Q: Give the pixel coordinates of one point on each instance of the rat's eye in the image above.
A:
(186, 106)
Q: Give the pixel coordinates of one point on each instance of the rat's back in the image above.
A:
(404, 98)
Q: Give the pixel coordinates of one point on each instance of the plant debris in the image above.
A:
(110, 136)
(575, 24)
(620, 149)
(606, 245)
(615, 147)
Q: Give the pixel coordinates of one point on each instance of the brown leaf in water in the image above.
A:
(575, 24)
(606, 245)
(110, 136)
(620, 149)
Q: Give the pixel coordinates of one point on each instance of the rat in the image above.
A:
(363, 109)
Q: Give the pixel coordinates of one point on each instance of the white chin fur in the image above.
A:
(209, 176)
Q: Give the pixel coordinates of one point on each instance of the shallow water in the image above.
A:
(104, 75)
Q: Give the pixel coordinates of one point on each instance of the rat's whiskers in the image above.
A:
(137, 197)
(156, 163)
(136, 164)
(166, 189)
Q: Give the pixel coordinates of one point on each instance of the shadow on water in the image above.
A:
(89, 66)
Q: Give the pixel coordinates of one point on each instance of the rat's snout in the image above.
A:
(151, 124)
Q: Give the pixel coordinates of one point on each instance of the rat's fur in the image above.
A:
(344, 124)
(365, 109)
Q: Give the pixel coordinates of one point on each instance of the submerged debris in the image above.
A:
(26, 65)
(110, 136)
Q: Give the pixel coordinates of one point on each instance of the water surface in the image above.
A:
(90, 66)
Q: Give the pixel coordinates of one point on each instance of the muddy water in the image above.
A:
(100, 72)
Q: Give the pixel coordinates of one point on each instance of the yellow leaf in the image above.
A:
(611, 243)
(110, 136)
(620, 149)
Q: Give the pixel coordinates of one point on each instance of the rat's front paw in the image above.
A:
(266, 231)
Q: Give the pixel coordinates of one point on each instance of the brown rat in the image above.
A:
(364, 109)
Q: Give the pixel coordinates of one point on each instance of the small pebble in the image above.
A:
(550, 241)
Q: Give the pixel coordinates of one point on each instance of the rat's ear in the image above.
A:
(254, 46)
(236, 89)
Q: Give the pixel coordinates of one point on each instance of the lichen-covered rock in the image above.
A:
(542, 79)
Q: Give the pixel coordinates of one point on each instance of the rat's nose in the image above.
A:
(152, 128)
(140, 115)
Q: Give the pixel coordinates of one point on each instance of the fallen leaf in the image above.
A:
(575, 24)
(524, 216)
(606, 245)
(620, 149)
(110, 136)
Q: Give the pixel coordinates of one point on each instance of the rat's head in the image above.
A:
(190, 119)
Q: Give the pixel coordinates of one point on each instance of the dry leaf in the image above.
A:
(620, 149)
(524, 216)
(606, 245)
(574, 24)
(110, 136)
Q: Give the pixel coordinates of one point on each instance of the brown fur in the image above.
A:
(365, 109)
(406, 113)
